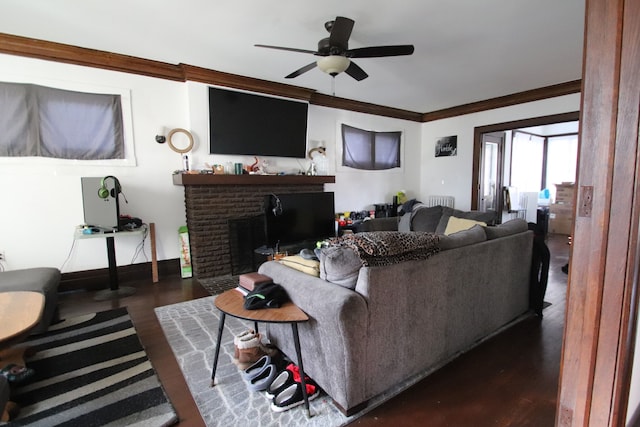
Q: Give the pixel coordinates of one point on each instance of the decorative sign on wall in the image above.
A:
(447, 146)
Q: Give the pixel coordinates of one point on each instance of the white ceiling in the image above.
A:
(465, 50)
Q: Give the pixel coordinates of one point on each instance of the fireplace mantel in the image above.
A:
(212, 179)
(212, 200)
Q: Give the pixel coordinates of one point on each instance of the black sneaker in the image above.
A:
(291, 396)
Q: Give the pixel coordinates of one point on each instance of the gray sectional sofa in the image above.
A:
(374, 326)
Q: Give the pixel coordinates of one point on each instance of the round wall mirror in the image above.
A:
(180, 140)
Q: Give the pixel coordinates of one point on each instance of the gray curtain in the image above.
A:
(46, 122)
(369, 150)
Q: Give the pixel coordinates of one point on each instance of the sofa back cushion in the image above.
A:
(471, 236)
(426, 218)
(508, 228)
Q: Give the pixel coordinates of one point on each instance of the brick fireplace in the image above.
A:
(212, 200)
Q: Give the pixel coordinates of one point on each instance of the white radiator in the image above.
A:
(441, 200)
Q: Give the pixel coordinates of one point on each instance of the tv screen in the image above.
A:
(298, 218)
(248, 124)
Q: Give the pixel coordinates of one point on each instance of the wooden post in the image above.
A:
(154, 258)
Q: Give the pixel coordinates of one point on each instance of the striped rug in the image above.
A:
(92, 371)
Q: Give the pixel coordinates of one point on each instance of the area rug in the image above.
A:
(92, 371)
(191, 329)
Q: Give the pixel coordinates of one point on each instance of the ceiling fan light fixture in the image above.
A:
(333, 64)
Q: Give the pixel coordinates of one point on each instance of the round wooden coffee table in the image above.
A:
(231, 302)
(20, 311)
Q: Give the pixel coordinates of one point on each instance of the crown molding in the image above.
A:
(506, 101)
(52, 51)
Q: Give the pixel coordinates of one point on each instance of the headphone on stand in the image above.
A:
(104, 192)
(276, 205)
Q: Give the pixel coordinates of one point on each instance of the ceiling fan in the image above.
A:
(335, 52)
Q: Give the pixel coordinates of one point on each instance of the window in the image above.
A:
(46, 122)
(363, 149)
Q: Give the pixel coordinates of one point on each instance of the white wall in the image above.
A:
(452, 176)
(40, 199)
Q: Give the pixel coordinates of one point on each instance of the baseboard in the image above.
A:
(92, 280)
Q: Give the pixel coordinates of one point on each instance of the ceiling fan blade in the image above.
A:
(301, 70)
(356, 72)
(290, 49)
(340, 32)
(380, 51)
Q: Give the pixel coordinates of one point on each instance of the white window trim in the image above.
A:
(127, 123)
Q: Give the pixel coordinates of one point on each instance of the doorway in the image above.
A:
(493, 166)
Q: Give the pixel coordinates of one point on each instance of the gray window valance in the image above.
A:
(363, 149)
(46, 122)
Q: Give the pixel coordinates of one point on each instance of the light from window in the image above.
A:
(369, 150)
(46, 122)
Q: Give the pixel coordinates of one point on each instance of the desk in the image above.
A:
(231, 302)
(114, 290)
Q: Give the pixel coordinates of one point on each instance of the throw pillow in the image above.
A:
(514, 226)
(309, 266)
(458, 224)
(488, 217)
(340, 265)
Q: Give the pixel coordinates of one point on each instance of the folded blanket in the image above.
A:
(378, 248)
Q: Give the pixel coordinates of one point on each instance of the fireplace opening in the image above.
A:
(246, 235)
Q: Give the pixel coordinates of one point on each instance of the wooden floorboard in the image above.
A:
(510, 380)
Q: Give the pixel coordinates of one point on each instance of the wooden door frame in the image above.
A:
(499, 202)
(602, 300)
(503, 127)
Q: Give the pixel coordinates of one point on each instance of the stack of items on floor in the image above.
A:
(270, 372)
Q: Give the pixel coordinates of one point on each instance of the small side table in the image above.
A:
(231, 302)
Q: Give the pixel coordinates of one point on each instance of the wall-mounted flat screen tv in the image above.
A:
(247, 124)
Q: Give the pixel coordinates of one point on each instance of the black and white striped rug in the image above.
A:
(92, 371)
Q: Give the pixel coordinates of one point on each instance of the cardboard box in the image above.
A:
(560, 211)
(561, 226)
(565, 193)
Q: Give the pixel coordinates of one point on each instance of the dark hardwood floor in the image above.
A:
(509, 380)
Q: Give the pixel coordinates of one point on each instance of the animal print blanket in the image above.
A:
(378, 248)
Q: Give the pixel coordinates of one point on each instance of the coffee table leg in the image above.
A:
(215, 358)
(296, 342)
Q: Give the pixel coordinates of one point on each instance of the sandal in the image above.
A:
(16, 374)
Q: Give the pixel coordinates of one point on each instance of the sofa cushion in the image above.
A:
(488, 217)
(455, 225)
(514, 226)
(308, 266)
(471, 236)
(340, 265)
(426, 218)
